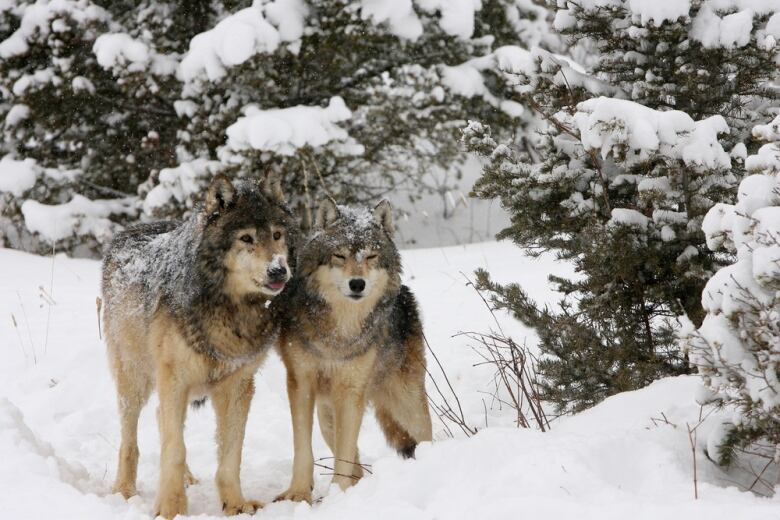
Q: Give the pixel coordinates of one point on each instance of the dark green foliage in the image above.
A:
(407, 123)
(614, 329)
(663, 67)
(118, 128)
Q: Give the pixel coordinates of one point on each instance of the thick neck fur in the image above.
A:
(230, 331)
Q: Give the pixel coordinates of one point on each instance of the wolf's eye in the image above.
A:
(277, 235)
(371, 257)
(247, 239)
(340, 257)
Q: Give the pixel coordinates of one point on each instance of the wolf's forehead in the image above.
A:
(246, 218)
(359, 218)
(357, 226)
(356, 242)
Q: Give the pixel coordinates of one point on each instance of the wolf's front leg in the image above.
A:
(171, 498)
(300, 389)
(348, 406)
(231, 399)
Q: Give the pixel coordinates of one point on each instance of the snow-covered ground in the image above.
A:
(59, 430)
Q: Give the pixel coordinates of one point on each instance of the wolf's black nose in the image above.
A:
(277, 272)
(357, 285)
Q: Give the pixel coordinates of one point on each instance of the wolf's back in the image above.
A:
(134, 256)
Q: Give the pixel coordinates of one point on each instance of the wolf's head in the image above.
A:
(351, 258)
(247, 236)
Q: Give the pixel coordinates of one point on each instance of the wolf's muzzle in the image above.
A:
(357, 286)
(277, 277)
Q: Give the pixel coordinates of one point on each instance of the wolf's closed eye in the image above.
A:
(340, 257)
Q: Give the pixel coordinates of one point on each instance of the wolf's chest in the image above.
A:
(238, 336)
(336, 349)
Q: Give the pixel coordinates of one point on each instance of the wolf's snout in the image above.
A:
(277, 273)
(356, 285)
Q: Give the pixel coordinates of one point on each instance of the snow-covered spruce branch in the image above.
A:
(737, 347)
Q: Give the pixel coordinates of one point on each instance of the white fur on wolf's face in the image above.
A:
(257, 262)
(346, 269)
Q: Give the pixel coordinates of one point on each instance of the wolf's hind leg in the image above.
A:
(133, 389)
(325, 418)
(231, 399)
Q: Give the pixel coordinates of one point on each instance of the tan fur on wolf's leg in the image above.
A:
(171, 498)
(132, 393)
(300, 390)
(189, 478)
(348, 415)
(231, 399)
(326, 419)
(349, 401)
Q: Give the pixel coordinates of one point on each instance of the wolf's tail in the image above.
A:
(397, 436)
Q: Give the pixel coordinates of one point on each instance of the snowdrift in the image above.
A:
(59, 429)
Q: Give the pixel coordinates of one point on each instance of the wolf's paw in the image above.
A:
(172, 504)
(189, 478)
(246, 506)
(344, 482)
(126, 489)
(295, 496)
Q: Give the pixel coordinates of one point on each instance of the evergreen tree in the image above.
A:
(142, 102)
(621, 179)
(88, 89)
(398, 74)
(737, 347)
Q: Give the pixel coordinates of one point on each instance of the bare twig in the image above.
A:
(99, 306)
(516, 374)
(444, 410)
(27, 325)
(19, 335)
(761, 474)
(51, 299)
(692, 439)
(515, 371)
(322, 181)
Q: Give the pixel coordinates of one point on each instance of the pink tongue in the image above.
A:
(276, 285)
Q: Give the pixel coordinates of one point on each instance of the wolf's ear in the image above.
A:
(327, 214)
(220, 195)
(383, 214)
(272, 187)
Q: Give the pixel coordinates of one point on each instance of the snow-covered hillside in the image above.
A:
(59, 429)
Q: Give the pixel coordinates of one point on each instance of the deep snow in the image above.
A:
(59, 429)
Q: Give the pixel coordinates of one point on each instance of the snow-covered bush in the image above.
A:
(737, 347)
(352, 97)
(703, 57)
(81, 92)
(639, 144)
(39, 210)
(87, 87)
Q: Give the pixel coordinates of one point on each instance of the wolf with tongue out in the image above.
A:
(188, 310)
(351, 336)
